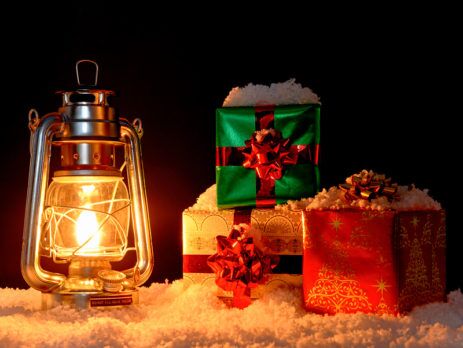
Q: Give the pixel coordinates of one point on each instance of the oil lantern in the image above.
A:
(88, 210)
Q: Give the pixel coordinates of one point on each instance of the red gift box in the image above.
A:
(373, 261)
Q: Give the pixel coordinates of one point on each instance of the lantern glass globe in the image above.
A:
(86, 216)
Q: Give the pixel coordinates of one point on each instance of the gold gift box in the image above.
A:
(281, 231)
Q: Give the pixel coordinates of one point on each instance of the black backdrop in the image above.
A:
(386, 77)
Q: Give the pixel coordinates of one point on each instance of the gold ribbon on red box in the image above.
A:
(369, 185)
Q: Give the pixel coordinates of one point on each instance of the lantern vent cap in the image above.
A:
(87, 91)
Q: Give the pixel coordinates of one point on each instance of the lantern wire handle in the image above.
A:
(137, 124)
(34, 119)
(96, 70)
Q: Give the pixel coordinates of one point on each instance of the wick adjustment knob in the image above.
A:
(112, 280)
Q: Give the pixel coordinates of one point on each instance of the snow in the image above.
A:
(410, 199)
(282, 93)
(174, 315)
(207, 201)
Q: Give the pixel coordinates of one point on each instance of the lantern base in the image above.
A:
(85, 300)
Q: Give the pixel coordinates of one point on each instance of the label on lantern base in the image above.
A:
(104, 301)
(89, 300)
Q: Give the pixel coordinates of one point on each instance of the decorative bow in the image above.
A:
(268, 153)
(369, 185)
(239, 264)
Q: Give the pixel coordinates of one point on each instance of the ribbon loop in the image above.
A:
(369, 185)
(239, 264)
(268, 153)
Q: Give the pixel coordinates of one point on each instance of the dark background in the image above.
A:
(388, 80)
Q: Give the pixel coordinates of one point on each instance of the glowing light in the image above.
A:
(87, 230)
(88, 189)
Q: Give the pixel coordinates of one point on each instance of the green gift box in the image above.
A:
(266, 155)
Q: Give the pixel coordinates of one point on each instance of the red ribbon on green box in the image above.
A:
(266, 155)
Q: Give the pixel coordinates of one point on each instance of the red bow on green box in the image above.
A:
(266, 155)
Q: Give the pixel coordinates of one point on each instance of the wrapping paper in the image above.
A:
(373, 261)
(241, 184)
(281, 234)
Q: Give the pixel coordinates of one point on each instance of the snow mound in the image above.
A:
(282, 93)
(177, 315)
(207, 201)
(410, 198)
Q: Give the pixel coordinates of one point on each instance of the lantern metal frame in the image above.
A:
(84, 127)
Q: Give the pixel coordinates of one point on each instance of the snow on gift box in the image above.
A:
(372, 246)
(267, 145)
